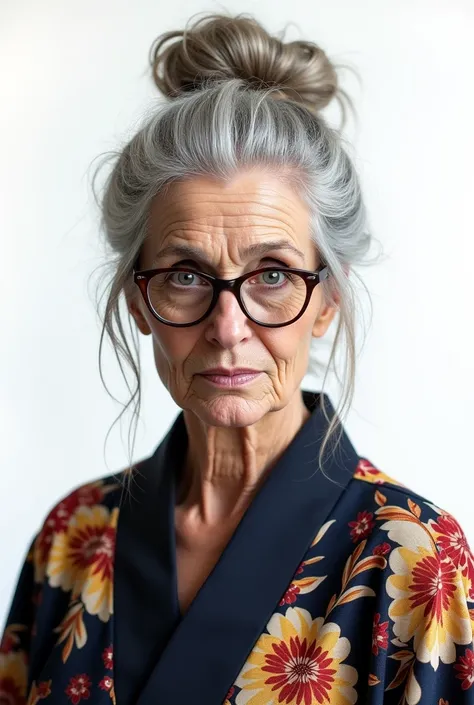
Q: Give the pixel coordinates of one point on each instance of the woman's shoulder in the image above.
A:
(88, 509)
(415, 523)
(389, 492)
(366, 471)
(104, 490)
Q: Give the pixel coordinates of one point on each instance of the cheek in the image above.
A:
(315, 304)
(171, 346)
(290, 344)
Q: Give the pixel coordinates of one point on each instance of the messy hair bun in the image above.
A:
(218, 48)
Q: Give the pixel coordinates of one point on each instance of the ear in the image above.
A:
(136, 307)
(323, 321)
(327, 311)
(325, 315)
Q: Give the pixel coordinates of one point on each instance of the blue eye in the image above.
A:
(185, 277)
(185, 280)
(271, 277)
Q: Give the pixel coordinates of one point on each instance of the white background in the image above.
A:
(74, 81)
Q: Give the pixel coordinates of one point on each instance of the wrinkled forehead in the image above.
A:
(238, 215)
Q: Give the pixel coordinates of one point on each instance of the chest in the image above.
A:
(197, 553)
(192, 570)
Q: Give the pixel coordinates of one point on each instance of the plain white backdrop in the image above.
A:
(74, 82)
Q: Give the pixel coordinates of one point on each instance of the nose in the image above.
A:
(227, 324)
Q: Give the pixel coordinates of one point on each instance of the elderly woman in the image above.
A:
(255, 558)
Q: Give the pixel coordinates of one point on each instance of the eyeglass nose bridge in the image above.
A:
(232, 285)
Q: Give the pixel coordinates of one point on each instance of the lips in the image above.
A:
(230, 373)
(231, 378)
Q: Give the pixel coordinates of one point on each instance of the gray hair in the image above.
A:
(238, 97)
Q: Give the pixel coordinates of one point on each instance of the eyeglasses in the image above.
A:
(271, 296)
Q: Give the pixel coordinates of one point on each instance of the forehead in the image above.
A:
(207, 210)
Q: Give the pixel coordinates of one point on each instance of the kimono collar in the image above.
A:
(164, 658)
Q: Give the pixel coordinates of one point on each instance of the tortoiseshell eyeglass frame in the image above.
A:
(142, 278)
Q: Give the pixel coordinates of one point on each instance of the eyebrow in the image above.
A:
(258, 248)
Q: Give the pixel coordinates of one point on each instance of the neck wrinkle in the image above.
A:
(225, 467)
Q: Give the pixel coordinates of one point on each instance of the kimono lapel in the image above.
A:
(146, 609)
(201, 654)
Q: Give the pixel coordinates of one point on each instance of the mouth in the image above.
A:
(230, 378)
(229, 372)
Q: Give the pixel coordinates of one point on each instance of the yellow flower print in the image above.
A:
(58, 518)
(81, 558)
(13, 677)
(429, 602)
(298, 661)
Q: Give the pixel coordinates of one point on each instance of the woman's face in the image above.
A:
(220, 221)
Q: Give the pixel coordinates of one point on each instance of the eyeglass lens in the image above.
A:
(270, 297)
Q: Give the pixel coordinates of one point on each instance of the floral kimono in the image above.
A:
(336, 588)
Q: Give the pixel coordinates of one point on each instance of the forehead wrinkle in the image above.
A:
(248, 237)
(252, 223)
(259, 196)
(283, 210)
(210, 231)
(226, 221)
(208, 217)
(253, 249)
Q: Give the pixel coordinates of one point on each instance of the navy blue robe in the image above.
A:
(336, 588)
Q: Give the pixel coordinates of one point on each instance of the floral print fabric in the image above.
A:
(379, 611)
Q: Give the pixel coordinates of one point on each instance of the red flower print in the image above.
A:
(434, 584)
(382, 549)
(106, 683)
(79, 688)
(39, 691)
(290, 595)
(94, 545)
(11, 638)
(107, 657)
(379, 634)
(293, 591)
(81, 559)
(362, 527)
(8, 642)
(229, 695)
(300, 670)
(465, 668)
(57, 520)
(453, 543)
(366, 469)
(43, 689)
(10, 691)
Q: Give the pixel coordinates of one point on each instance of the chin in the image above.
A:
(231, 409)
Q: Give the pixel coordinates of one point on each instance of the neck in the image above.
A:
(225, 466)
